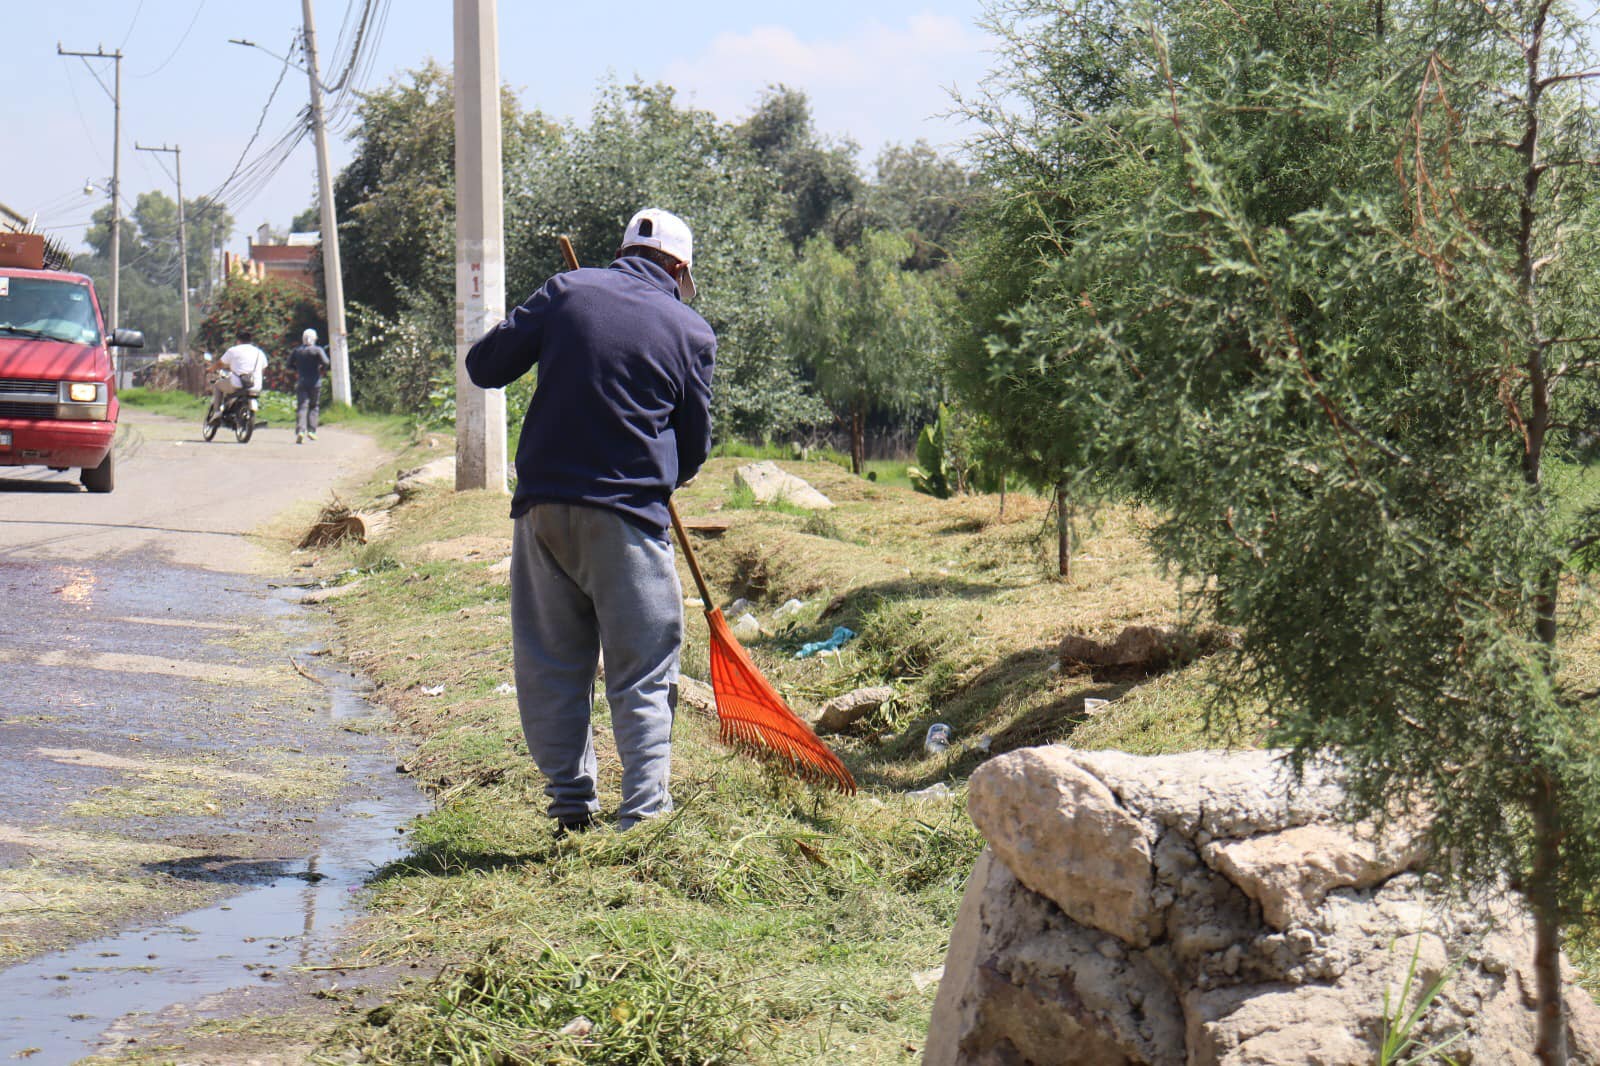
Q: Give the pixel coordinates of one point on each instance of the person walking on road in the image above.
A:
(309, 361)
(242, 367)
(619, 418)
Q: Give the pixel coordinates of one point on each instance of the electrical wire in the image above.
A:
(131, 24)
(201, 6)
(78, 106)
(215, 194)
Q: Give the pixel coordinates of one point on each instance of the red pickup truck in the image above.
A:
(58, 397)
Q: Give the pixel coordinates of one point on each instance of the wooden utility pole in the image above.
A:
(183, 241)
(116, 170)
(333, 279)
(480, 253)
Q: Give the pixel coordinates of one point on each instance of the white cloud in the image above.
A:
(876, 84)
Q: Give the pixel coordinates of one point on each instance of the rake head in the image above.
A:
(755, 719)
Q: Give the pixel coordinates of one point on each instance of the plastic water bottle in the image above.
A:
(938, 740)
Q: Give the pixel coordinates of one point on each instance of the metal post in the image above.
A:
(480, 254)
(333, 279)
(116, 172)
(183, 243)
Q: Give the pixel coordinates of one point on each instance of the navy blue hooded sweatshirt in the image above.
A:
(621, 413)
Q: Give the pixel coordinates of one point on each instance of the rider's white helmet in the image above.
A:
(308, 337)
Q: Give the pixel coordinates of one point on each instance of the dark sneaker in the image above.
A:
(581, 825)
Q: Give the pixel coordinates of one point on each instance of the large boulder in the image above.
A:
(1209, 910)
(769, 483)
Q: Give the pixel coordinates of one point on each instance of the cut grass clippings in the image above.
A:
(760, 922)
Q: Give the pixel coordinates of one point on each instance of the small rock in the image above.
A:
(736, 608)
(843, 711)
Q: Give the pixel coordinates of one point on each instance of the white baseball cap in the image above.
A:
(655, 228)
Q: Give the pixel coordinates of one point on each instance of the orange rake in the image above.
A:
(751, 716)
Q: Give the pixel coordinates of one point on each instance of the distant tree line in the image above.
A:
(781, 213)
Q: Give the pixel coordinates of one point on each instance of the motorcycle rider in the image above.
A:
(242, 368)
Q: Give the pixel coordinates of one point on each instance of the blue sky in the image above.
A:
(877, 73)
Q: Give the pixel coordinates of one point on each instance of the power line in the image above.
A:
(131, 24)
(216, 194)
(177, 47)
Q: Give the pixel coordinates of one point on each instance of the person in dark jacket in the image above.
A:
(309, 361)
(620, 417)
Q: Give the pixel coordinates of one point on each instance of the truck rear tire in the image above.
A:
(99, 478)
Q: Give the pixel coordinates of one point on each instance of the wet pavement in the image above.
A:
(192, 793)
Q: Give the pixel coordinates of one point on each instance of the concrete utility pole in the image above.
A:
(339, 349)
(183, 242)
(480, 252)
(116, 171)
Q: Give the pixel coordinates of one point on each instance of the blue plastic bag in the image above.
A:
(841, 637)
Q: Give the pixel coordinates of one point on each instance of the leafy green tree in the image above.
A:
(640, 148)
(866, 329)
(274, 311)
(150, 268)
(817, 177)
(919, 194)
(396, 209)
(1336, 320)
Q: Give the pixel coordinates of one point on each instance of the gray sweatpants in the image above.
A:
(583, 578)
(307, 404)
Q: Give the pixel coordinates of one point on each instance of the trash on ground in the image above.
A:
(747, 626)
(983, 743)
(938, 790)
(580, 1026)
(505, 688)
(432, 690)
(926, 979)
(789, 609)
(736, 608)
(937, 741)
(1092, 706)
(693, 601)
(842, 635)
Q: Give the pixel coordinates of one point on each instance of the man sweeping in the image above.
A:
(620, 417)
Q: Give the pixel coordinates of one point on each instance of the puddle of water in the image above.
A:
(61, 1003)
(59, 1007)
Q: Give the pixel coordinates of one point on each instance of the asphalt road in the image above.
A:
(178, 499)
(162, 748)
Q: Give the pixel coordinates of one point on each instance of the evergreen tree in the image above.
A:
(1335, 319)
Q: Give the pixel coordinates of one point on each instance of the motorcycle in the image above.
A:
(238, 414)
